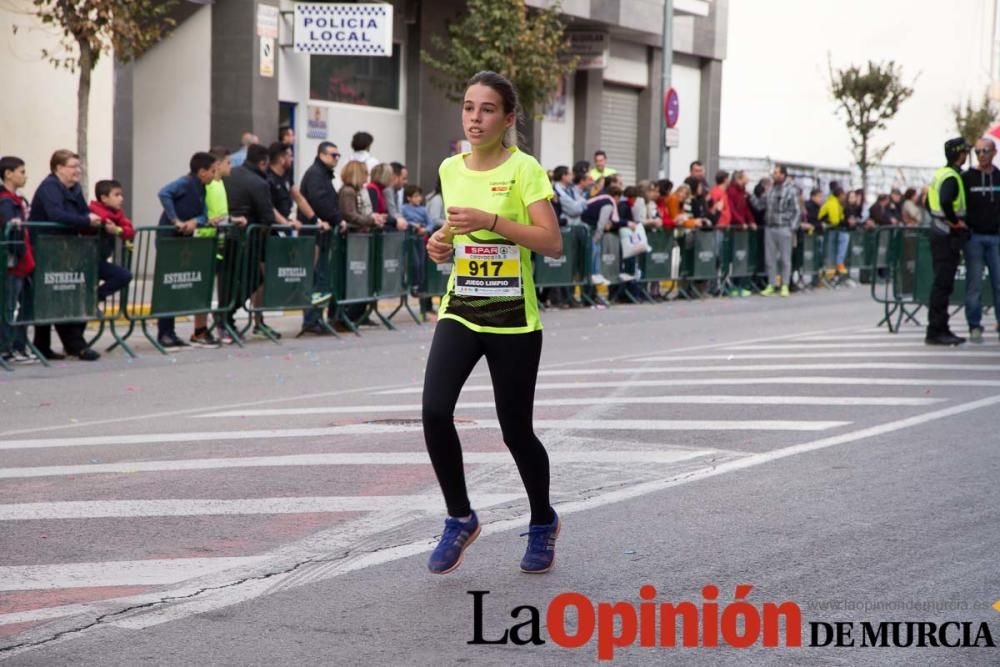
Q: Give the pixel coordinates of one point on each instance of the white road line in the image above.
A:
(377, 429)
(846, 347)
(901, 336)
(696, 382)
(346, 459)
(825, 354)
(676, 399)
(686, 424)
(737, 368)
(256, 588)
(93, 509)
(154, 572)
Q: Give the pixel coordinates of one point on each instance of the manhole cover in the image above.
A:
(411, 421)
(394, 422)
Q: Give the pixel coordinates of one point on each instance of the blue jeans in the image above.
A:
(113, 278)
(981, 249)
(843, 243)
(13, 337)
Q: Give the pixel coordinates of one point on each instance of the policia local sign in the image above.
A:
(343, 29)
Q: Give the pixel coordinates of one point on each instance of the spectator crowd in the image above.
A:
(254, 185)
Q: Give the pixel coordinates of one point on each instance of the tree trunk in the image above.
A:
(864, 166)
(83, 107)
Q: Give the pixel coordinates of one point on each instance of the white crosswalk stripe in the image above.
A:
(703, 382)
(151, 572)
(673, 399)
(342, 459)
(377, 429)
(93, 509)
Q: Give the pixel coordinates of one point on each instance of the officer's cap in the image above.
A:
(954, 147)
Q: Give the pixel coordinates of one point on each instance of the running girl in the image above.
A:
(498, 212)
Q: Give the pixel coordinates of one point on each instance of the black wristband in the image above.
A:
(314, 220)
(496, 217)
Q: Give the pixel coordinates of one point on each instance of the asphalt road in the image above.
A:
(273, 505)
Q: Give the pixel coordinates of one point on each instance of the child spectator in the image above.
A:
(184, 210)
(832, 215)
(108, 205)
(20, 263)
(813, 207)
(414, 211)
(719, 200)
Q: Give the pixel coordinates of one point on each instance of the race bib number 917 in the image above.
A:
(487, 270)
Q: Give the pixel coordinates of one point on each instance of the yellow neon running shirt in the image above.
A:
(506, 190)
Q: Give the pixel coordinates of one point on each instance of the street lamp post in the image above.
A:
(668, 63)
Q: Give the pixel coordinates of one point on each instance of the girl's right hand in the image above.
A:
(439, 247)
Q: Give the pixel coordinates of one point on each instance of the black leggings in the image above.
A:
(513, 361)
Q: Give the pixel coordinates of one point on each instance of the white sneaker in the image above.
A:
(626, 277)
(598, 279)
(24, 358)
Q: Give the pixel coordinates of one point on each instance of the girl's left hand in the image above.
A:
(467, 220)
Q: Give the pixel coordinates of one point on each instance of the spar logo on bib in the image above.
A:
(502, 188)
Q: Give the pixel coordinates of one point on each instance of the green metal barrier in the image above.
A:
(182, 271)
(807, 259)
(551, 272)
(278, 273)
(656, 265)
(736, 266)
(699, 261)
(611, 258)
(391, 279)
(430, 279)
(859, 259)
(758, 259)
(63, 286)
(910, 276)
(353, 257)
(7, 246)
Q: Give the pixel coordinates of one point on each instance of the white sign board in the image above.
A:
(343, 29)
(316, 122)
(673, 137)
(267, 21)
(267, 57)
(591, 47)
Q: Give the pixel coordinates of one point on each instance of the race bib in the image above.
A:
(487, 270)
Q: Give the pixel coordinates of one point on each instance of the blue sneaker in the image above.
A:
(457, 537)
(541, 551)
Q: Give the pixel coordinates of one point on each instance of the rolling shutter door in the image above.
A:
(620, 129)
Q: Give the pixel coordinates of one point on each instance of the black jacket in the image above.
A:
(249, 195)
(982, 200)
(317, 188)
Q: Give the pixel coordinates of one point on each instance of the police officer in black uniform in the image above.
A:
(946, 200)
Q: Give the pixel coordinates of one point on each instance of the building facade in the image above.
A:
(211, 79)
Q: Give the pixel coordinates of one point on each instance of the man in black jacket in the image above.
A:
(247, 189)
(249, 196)
(982, 185)
(317, 188)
